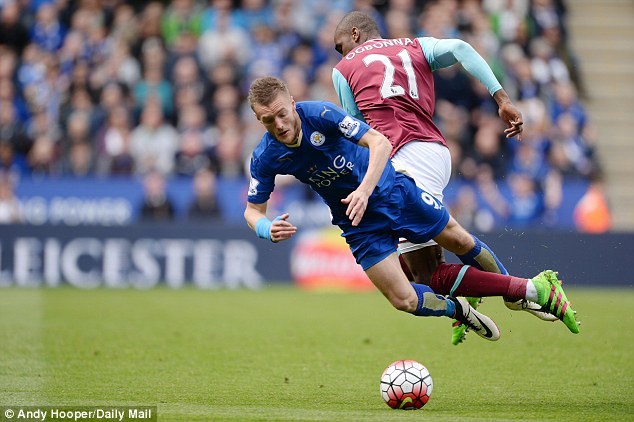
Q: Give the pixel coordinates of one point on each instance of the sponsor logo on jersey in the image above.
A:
(317, 138)
(253, 186)
(322, 178)
(349, 127)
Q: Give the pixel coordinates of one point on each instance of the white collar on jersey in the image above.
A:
(298, 142)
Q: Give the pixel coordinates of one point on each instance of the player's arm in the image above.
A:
(380, 149)
(277, 230)
(442, 53)
(346, 98)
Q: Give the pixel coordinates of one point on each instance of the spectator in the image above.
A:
(592, 212)
(154, 142)
(114, 95)
(10, 212)
(205, 204)
(219, 10)
(256, 13)
(125, 24)
(487, 147)
(180, 16)
(570, 152)
(10, 162)
(13, 33)
(157, 206)
(48, 32)
(231, 154)
(525, 205)
(79, 160)
(12, 130)
(113, 144)
(223, 43)
(225, 97)
(465, 208)
(8, 64)
(43, 156)
(192, 155)
(266, 56)
(509, 18)
(154, 86)
(546, 67)
(149, 27)
(566, 100)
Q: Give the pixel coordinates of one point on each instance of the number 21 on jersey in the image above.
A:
(388, 87)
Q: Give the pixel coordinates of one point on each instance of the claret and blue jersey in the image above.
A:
(327, 158)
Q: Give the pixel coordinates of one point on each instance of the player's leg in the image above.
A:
(544, 289)
(422, 262)
(472, 251)
(468, 248)
(423, 217)
(429, 164)
(421, 300)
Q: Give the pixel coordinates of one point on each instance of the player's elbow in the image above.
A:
(246, 214)
(384, 144)
(462, 49)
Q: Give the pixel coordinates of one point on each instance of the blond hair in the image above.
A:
(264, 90)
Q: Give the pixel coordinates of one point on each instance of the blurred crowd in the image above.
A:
(112, 88)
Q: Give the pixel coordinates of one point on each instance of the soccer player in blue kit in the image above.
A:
(347, 163)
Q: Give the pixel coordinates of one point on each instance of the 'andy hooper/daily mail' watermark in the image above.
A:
(78, 413)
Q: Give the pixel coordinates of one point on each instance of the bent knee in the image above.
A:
(404, 304)
(458, 242)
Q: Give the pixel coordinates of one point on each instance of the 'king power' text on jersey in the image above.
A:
(391, 80)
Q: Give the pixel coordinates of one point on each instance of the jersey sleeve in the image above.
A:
(336, 123)
(346, 98)
(442, 53)
(262, 182)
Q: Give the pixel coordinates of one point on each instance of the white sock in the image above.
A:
(531, 291)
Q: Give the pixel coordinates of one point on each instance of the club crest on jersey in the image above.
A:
(349, 127)
(253, 187)
(317, 138)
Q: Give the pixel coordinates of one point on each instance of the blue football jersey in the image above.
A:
(327, 158)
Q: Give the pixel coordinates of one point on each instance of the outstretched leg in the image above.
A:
(544, 289)
(421, 300)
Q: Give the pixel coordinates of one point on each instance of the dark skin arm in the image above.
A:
(510, 114)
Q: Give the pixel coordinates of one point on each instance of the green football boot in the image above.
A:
(458, 329)
(552, 298)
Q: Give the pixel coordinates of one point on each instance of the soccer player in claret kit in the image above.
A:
(347, 164)
(388, 83)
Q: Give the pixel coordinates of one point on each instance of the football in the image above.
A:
(406, 384)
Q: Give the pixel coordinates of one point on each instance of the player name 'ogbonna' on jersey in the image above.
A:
(371, 45)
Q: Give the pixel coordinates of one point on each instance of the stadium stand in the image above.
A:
(602, 34)
(99, 90)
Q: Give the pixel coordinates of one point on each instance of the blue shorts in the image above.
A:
(405, 211)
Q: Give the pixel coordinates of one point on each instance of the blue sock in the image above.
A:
(431, 304)
(483, 258)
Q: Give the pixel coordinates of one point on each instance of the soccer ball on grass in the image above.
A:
(406, 384)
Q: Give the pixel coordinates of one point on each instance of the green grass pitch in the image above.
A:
(284, 354)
